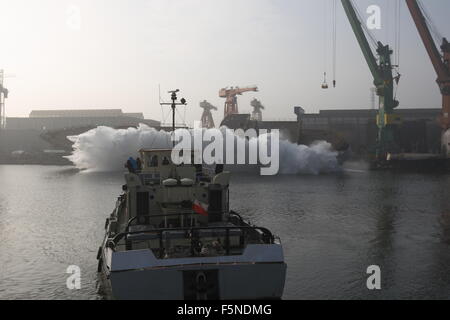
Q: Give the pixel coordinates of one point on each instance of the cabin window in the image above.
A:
(165, 161)
(153, 161)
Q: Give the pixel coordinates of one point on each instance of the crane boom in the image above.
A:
(236, 91)
(383, 79)
(362, 40)
(440, 63)
(424, 32)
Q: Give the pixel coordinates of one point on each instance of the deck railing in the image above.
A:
(232, 214)
(193, 233)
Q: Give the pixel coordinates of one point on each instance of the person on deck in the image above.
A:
(131, 165)
(139, 164)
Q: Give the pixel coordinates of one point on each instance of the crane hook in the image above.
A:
(324, 84)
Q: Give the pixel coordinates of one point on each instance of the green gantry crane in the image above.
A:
(381, 70)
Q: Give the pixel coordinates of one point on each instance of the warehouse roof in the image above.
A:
(91, 113)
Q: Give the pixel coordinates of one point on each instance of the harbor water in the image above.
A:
(333, 227)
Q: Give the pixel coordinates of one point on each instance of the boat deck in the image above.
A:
(216, 239)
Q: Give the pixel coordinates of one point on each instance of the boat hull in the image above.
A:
(222, 282)
(259, 273)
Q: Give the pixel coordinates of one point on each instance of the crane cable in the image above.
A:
(397, 32)
(334, 41)
(325, 47)
(434, 30)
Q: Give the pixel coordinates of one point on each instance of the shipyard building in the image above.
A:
(419, 130)
(42, 137)
(44, 120)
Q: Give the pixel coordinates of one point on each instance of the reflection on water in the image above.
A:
(332, 227)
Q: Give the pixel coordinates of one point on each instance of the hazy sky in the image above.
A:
(123, 49)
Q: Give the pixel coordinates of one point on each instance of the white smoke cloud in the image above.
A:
(105, 149)
(315, 159)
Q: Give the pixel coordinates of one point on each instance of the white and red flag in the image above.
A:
(200, 208)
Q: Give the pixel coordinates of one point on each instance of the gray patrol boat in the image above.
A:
(172, 236)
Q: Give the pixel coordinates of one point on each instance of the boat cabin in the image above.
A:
(163, 194)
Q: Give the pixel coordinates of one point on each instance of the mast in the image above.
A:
(174, 105)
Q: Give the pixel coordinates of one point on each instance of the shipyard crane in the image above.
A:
(441, 64)
(257, 107)
(381, 70)
(207, 118)
(3, 95)
(230, 95)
